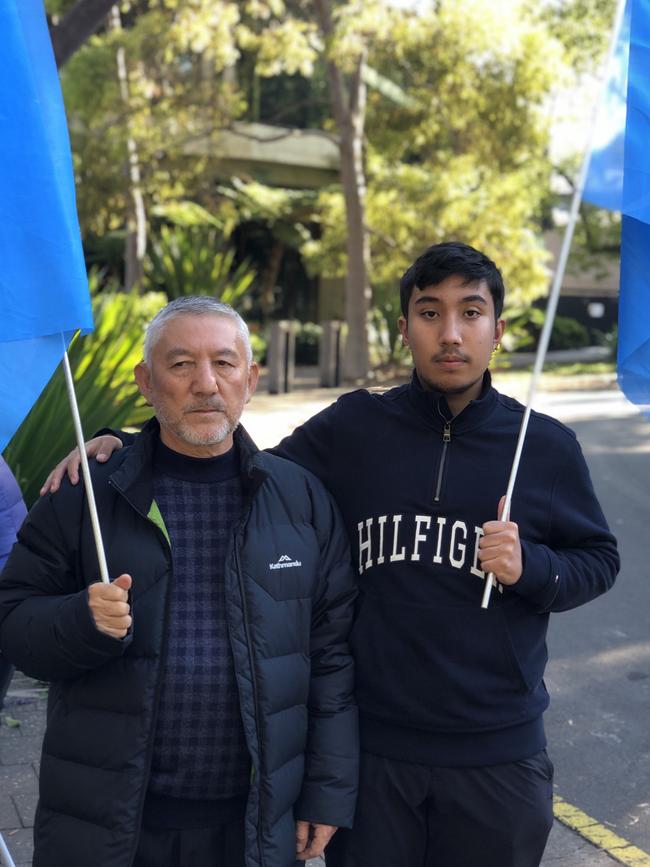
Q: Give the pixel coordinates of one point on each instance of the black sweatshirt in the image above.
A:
(441, 681)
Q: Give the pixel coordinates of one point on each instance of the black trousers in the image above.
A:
(418, 816)
(220, 846)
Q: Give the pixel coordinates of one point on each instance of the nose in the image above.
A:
(450, 331)
(204, 380)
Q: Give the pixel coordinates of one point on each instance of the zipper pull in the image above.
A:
(446, 434)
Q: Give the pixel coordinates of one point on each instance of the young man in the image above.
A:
(454, 770)
(200, 711)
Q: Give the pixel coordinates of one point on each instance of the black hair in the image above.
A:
(445, 260)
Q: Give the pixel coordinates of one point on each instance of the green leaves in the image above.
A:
(102, 364)
(195, 260)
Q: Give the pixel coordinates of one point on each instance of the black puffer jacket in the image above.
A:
(288, 629)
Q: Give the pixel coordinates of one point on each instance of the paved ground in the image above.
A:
(23, 716)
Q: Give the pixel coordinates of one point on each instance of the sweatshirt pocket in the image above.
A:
(442, 669)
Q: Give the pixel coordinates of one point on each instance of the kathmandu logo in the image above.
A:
(285, 562)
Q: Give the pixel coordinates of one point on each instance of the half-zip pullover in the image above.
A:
(439, 680)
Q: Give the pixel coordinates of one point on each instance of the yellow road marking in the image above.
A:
(621, 850)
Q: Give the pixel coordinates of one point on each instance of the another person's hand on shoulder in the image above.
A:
(311, 839)
(500, 549)
(100, 448)
(109, 606)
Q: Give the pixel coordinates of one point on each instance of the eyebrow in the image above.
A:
(468, 299)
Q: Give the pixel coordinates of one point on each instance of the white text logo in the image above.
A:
(285, 562)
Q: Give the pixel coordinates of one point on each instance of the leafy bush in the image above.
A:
(568, 333)
(194, 260)
(523, 327)
(102, 364)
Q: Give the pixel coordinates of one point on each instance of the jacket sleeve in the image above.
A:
(580, 559)
(332, 756)
(46, 627)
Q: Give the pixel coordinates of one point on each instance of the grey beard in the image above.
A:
(196, 438)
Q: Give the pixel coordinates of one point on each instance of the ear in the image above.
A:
(253, 377)
(403, 325)
(499, 329)
(142, 376)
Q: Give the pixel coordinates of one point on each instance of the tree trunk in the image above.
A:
(136, 238)
(356, 360)
(349, 109)
(79, 24)
(270, 278)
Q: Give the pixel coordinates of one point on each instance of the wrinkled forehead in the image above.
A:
(197, 333)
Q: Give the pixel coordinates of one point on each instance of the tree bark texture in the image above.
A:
(349, 109)
(136, 238)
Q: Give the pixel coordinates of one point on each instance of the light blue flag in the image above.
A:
(628, 190)
(44, 294)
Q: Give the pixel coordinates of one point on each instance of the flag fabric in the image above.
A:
(619, 178)
(44, 294)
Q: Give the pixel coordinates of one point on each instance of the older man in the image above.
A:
(201, 707)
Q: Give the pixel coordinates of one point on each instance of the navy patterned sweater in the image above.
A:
(199, 752)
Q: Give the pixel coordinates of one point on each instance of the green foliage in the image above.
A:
(194, 260)
(524, 329)
(259, 344)
(523, 326)
(568, 333)
(581, 26)
(466, 156)
(175, 54)
(102, 363)
(385, 338)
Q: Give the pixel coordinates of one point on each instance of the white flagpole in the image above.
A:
(554, 295)
(85, 469)
(5, 857)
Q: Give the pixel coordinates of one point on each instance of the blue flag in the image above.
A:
(44, 294)
(619, 179)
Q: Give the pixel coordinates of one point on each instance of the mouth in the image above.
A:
(206, 411)
(450, 362)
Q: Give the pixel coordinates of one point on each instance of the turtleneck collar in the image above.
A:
(214, 469)
(432, 405)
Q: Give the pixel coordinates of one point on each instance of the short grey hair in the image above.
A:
(194, 305)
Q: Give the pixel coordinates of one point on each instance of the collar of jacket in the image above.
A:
(433, 407)
(134, 476)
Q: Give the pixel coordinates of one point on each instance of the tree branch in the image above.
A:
(81, 22)
(338, 95)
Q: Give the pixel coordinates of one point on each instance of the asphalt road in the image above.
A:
(598, 724)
